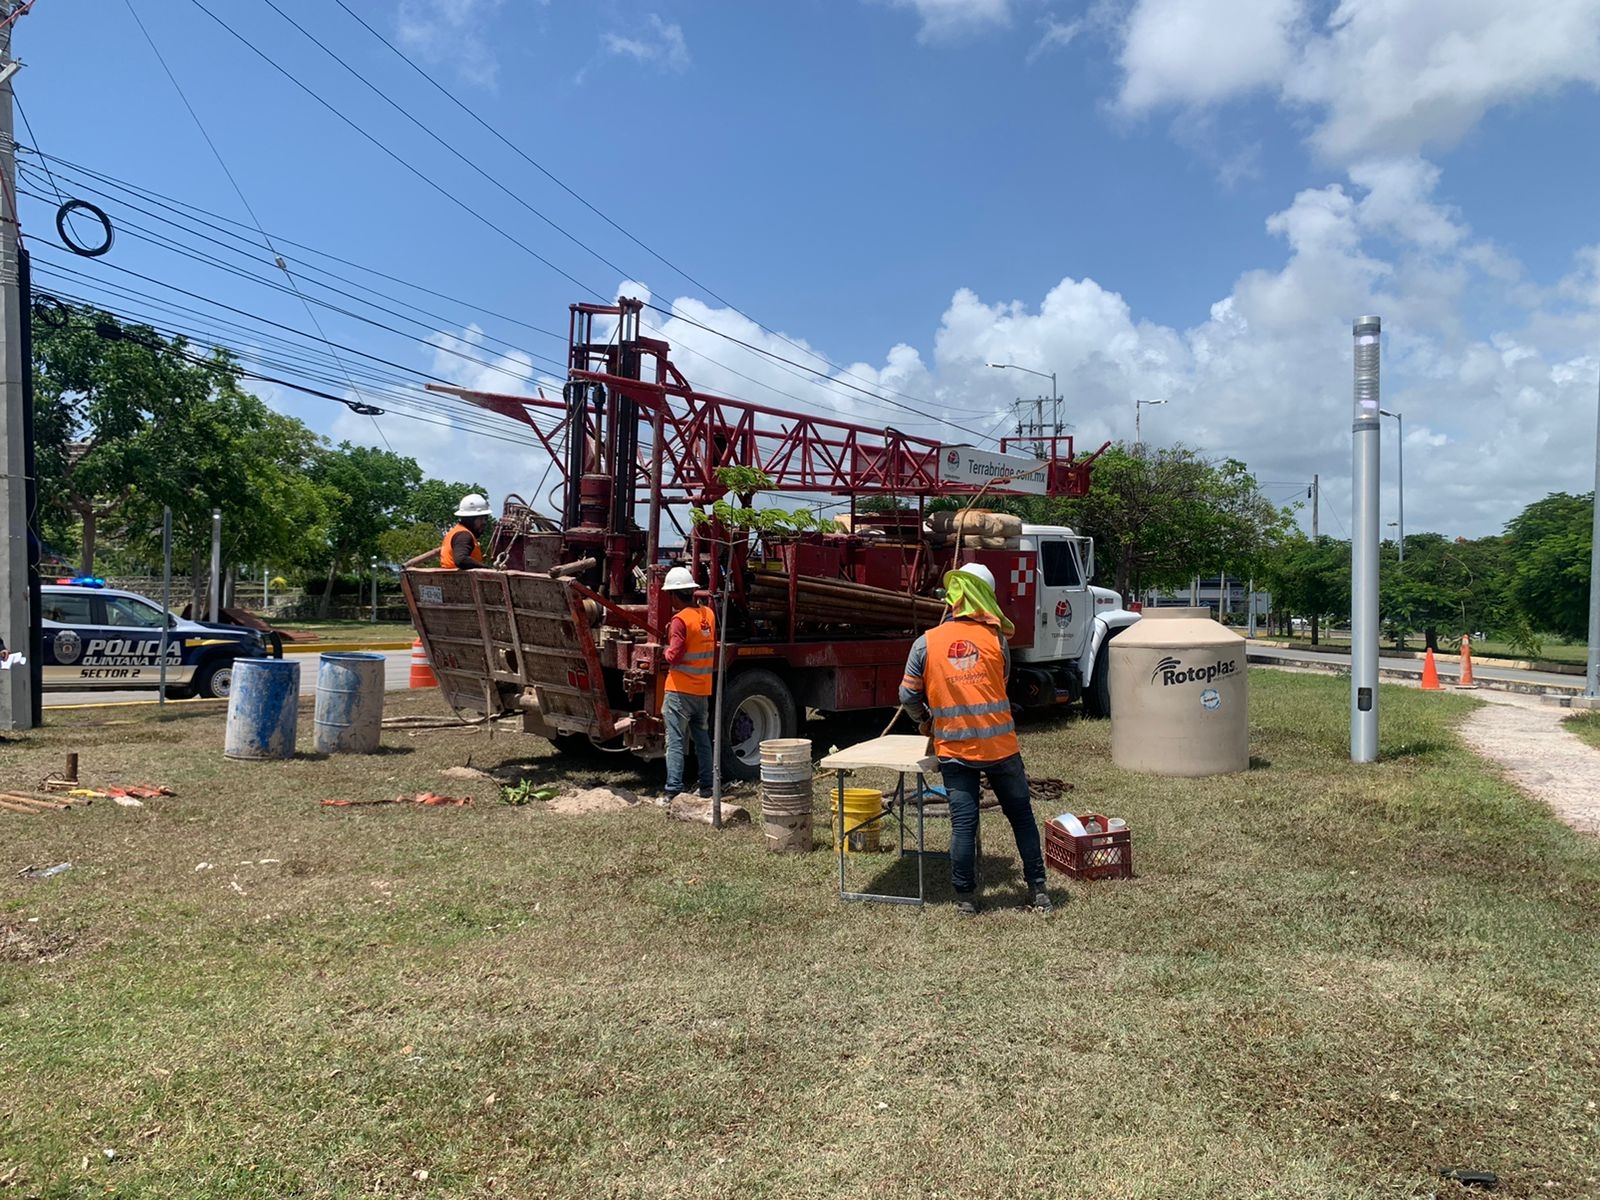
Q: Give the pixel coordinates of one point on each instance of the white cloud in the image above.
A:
(943, 20)
(663, 45)
(1382, 78)
(453, 32)
(1203, 51)
(1499, 409)
(1058, 35)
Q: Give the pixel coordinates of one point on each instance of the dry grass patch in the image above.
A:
(1326, 982)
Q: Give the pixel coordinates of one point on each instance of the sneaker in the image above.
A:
(966, 906)
(1041, 902)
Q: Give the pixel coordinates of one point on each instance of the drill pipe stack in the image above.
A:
(840, 602)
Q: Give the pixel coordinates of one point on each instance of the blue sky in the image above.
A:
(1180, 199)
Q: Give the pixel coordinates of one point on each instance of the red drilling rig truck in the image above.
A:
(568, 628)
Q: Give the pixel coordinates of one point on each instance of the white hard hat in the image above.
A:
(978, 571)
(473, 505)
(679, 579)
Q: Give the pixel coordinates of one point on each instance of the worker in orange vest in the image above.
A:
(955, 688)
(461, 551)
(691, 656)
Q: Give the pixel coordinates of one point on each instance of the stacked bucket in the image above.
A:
(786, 794)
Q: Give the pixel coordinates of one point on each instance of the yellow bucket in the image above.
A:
(862, 807)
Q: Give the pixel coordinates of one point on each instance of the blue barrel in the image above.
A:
(349, 702)
(263, 708)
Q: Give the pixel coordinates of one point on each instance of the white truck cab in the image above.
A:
(1073, 624)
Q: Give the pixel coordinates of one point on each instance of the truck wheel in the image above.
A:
(756, 707)
(1097, 696)
(214, 679)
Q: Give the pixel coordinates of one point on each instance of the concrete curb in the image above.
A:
(1548, 666)
(1498, 685)
(341, 647)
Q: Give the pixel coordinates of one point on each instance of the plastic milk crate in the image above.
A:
(1071, 848)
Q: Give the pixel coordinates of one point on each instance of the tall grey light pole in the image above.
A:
(1400, 466)
(1364, 544)
(1138, 405)
(1055, 399)
(16, 690)
(374, 589)
(216, 562)
(1591, 683)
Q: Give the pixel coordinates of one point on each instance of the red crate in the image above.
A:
(1093, 856)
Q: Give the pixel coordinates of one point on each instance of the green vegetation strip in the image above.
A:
(1327, 981)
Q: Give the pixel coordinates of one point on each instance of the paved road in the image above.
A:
(1448, 669)
(396, 674)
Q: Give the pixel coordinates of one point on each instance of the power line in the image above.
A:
(520, 153)
(238, 191)
(404, 162)
(184, 209)
(198, 215)
(497, 183)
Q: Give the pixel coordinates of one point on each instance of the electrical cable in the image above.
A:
(520, 153)
(808, 374)
(448, 422)
(238, 191)
(264, 320)
(197, 214)
(251, 252)
(404, 162)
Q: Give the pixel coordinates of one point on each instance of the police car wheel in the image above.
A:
(757, 706)
(214, 680)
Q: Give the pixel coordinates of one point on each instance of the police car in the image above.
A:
(98, 637)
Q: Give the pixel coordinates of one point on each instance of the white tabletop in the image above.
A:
(902, 752)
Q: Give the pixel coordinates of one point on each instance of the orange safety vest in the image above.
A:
(691, 674)
(448, 560)
(965, 684)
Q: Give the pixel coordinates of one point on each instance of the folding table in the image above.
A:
(905, 755)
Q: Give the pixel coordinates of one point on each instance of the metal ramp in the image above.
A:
(499, 640)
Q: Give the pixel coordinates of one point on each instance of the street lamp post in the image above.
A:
(1055, 399)
(1138, 405)
(1400, 465)
(374, 589)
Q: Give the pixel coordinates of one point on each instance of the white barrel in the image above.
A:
(263, 709)
(349, 716)
(1179, 696)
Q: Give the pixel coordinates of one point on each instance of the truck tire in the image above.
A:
(1097, 696)
(756, 706)
(213, 679)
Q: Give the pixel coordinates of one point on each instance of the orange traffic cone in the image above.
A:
(1466, 680)
(422, 675)
(1430, 673)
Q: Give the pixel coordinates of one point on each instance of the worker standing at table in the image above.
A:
(955, 688)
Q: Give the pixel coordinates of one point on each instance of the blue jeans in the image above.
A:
(685, 714)
(1009, 780)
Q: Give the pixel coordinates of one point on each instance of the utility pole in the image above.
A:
(17, 591)
(1316, 505)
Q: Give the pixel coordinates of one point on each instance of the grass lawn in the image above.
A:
(1327, 982)
(1586, 725)
(353, 631)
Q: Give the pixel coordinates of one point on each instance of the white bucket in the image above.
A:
(786, 751)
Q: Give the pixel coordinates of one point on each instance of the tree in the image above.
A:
(1548, 546)
(1160, 520)
(430, 511)
(97, 383)
(1309, 578)
(224, 449)
(1443, 584)
(370, 492)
